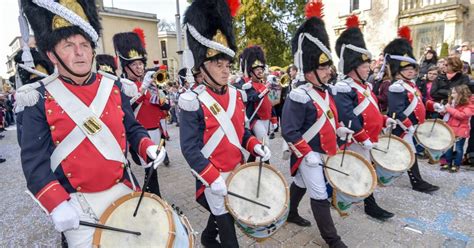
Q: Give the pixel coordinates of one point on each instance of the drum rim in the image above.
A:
(367, 163)
(189, 228)
(287, 190)
(442, 123)
(412, 155)
(110, 209)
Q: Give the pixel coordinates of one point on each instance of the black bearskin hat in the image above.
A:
(313, 56)
(251, 58)
(106, 63)
(129, 47)
(400, 47)
(49, 28)
(212, 19)
(42, 64)
(352, 36)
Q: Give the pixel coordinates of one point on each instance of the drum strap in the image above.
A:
(414, 102)
(367, 99)
(224, 118)
(88, 123)
(324, 105)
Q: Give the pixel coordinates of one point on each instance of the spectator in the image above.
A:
(454, 76)
(425, 86)
(382, 92)
(429, 59)
(458, 113)
(466, 69)
(467, 55)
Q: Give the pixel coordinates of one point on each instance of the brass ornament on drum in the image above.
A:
(436, 137)
(354, 187)
(256, 221)
(158, 223)
(391, 159)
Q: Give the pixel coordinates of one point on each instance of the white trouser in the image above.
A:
(216, 202)
(90, 207)
(260, 129)
(164, 126)
(409, 138)
(358, 148)
(311, 178)
(155, 136)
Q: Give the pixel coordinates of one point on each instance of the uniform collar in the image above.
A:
(88, 81)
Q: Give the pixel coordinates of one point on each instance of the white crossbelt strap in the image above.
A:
(324, 105)
(413, 103)
(137, 109)
(224, 118)
(103, 139)
(367, 99)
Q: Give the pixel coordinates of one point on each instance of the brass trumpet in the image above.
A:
(160, 78)
(285, 80)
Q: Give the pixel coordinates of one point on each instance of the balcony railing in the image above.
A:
(407, 5)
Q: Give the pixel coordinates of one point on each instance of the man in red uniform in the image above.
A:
(212, 129)
(130, 49)
(76, 124)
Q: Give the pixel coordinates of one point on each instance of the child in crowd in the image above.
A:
(457, 112)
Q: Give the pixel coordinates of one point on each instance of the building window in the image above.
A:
(354, 5)
(163, 49)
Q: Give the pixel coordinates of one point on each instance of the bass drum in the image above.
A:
(158, 224)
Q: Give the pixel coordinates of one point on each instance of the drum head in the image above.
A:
(361, 180)
(399, 156)
(154, 221)
(440, 139)
(274, 192)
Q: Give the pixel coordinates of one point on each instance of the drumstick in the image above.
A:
(378, 149)
(89, 224)
(199, 177)
(434, 122)
(325, 166)
(147, 181)
(391, 130)
(260, 165)
(345, 145)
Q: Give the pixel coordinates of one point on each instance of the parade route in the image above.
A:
(444, 219)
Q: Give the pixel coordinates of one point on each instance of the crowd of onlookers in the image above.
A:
(7, 116)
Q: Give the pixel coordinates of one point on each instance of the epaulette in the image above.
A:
(397, 87)
(343, 86)
(189, 101)
(28, 95)
(242, 93)
(129, 88)
(247, 86)
(299, 94)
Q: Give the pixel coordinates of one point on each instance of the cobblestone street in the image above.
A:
(444, 219)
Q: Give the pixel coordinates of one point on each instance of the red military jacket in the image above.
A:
(147, 113)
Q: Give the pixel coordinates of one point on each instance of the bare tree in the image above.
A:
(164, 25)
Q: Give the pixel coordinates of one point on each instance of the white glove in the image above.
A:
(438, 107)
(391, 123)
(367, 144)
(313, 159)
(411, 130)
(65, 217)
(274, 126)
(158, 159)
(343, 131)
(263, 151)
(148, 79)
(218, 187)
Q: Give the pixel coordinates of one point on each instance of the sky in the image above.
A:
(9, 27)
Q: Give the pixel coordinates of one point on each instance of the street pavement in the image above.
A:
(444, 219)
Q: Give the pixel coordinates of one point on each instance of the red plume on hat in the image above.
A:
(352, 22)
(234, 6)
(141, 35)
(405, 33)
(314, 8)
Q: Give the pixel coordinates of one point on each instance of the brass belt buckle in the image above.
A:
(215, 108)
(330, 114)
(92, 125)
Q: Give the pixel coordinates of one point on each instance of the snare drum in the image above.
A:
(391, 164)
(350, 189)
(158, 224)
(256, 221)
(435, 139)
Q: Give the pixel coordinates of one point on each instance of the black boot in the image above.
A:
(296, 194)
(166, 162)
(417, 182)
(64, 241)
(322, 215)
(373, 210)
(226, 228)
(209, 235)
(153, 186)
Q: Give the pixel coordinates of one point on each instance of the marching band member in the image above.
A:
(76, 123)
(310, 123)
(106, 63)
(259, 107)
(356, 103)
(405, 99)
(212, 128)
(130, 49)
